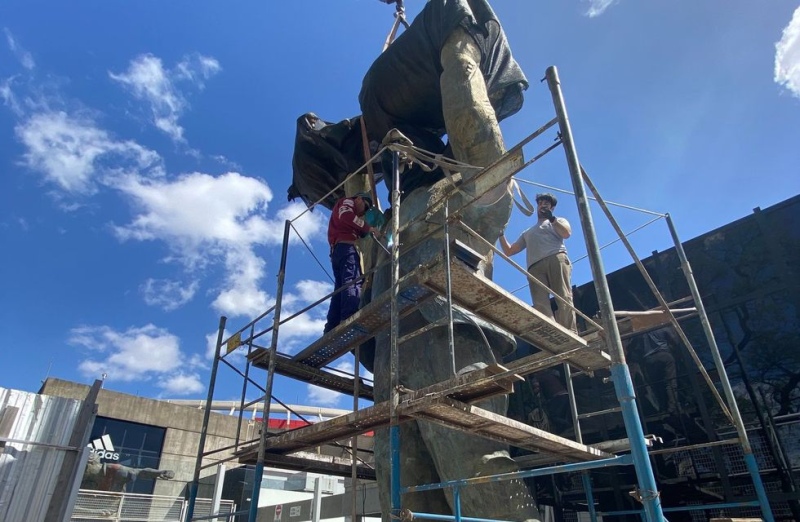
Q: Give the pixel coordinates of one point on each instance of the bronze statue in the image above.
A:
(451, 72)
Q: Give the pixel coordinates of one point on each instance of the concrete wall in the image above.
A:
(183, 426)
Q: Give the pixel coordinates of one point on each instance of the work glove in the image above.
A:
(548, 215)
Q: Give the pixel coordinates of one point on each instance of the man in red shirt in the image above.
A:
(345, 227)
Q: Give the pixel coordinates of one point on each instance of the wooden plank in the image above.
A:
(470, 387)
(472, 291)
(484, 298)
(330, 430)
(442, 410)
(484, 423)
(609, 446)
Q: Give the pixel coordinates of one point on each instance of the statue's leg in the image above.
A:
(471, 123)
(457, 454)
(473, 131)
(475, 137)
(416, 468)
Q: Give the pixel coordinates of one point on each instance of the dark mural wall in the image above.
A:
(747, 273)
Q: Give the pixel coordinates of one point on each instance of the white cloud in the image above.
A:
(204, 218)
(135, 354)
(597, 7)
(297, 332)
(324, 397)
(182, 384)
(211, 343)
(301, 328)
(148, 80)
(197, 209)
(9, 98)
(25, 58)
(71, 151)
(167, 294)
(310, 291)
(787, 56)
(197, 68)
(243, 295)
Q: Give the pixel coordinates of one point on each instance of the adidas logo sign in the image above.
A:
(103, 448)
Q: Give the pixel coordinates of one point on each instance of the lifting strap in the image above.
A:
(399, 17)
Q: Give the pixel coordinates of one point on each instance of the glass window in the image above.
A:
(125, 457)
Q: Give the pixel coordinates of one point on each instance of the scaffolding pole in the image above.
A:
(623, 385)
(204, 430)
(747, 449)
(258, 474)
(394, 397)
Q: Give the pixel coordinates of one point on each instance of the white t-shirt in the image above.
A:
(541, 241)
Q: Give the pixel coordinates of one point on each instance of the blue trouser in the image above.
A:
(346, 265)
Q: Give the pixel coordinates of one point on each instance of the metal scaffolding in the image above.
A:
(452, 276)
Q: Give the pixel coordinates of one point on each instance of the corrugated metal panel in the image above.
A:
(39, 429)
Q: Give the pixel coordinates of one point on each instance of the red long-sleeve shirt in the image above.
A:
(345, 225)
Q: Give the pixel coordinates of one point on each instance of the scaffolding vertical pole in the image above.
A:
(204, 430)
(586, 480)
(273, 356)
(394, 401)
(354, 440)
(623, 384)
(747, 449)
(451, 348)
(244, 386)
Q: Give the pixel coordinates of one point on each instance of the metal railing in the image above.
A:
(91, 505)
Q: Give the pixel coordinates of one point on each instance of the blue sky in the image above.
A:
(146, 151)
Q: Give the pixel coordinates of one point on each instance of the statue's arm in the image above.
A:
(155, 473)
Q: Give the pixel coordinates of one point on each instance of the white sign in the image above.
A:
(103, 448)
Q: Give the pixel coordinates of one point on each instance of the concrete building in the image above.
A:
(157, 442)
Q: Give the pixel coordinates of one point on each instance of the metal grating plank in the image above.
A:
(363, 324)
(298, 463)
(303, 372)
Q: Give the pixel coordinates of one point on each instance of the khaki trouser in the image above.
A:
(556, 272)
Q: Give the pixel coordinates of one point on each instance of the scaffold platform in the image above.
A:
(470, 290)
(441, 410)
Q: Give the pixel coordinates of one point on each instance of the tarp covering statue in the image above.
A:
(450, 73)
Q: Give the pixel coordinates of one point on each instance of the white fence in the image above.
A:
(92, 506)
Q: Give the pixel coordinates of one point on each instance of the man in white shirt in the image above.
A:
(547, 260)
